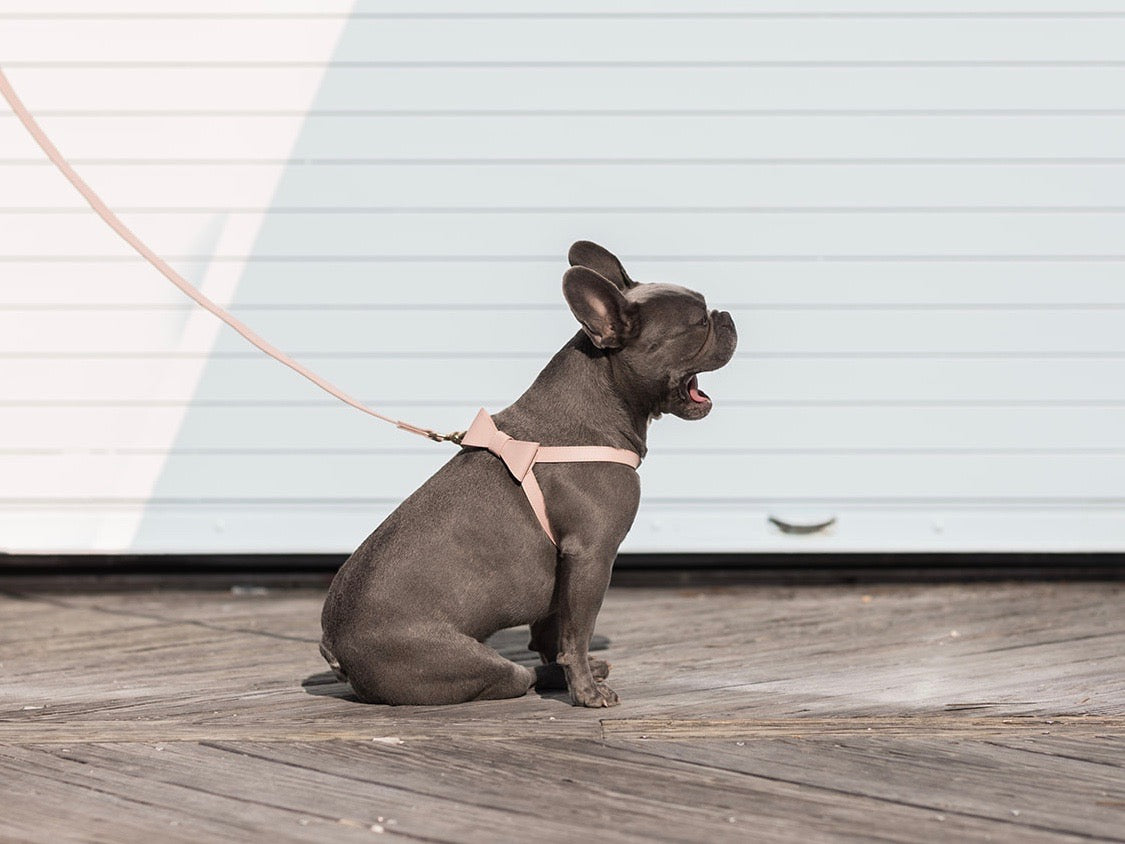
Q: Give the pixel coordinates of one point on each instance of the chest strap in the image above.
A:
(520, 456)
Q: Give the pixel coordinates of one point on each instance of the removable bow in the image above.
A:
(518, 455)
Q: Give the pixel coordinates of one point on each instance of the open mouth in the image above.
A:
(691, 387)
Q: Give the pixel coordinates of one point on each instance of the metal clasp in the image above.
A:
(455, 437)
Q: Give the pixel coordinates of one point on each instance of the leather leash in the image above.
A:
(114, 222)
(518, 456)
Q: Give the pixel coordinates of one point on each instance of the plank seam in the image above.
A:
(940, 807)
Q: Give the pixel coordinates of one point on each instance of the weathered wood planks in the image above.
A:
(911, 713)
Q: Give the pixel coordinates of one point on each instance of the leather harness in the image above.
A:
(520, 456)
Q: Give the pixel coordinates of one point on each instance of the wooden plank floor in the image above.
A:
(905, 713)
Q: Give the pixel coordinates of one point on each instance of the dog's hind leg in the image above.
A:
(431, 667)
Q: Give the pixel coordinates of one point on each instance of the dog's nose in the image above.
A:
(725, 321)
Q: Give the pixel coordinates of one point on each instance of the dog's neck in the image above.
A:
(583, 396)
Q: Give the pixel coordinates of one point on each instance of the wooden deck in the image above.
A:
(908, 713)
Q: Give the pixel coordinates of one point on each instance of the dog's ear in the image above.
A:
(608, 319)
(600, 260)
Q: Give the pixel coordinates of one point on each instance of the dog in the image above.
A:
(464, 556)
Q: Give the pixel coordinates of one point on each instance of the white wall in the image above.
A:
(915, 211)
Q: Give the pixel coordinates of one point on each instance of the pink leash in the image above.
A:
(518, 456)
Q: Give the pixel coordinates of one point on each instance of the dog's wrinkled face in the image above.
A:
(679, 338)
(663, 335)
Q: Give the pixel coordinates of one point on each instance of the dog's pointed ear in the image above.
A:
(607, 317)
(600, 260)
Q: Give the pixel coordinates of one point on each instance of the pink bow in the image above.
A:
(517, 455)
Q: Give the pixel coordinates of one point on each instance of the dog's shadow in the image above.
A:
(510, 644)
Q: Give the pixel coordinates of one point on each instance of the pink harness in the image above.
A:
(520, 456)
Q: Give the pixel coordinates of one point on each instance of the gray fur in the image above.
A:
(406, 616)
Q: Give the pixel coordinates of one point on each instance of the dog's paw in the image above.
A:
(600, 695)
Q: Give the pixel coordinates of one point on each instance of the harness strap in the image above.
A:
(520, 457)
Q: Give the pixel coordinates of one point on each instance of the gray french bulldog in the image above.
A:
(464, 556)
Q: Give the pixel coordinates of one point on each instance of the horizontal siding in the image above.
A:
(536, 283)
(914, 213)
(535, 87)
(491, 234)
(785, 40)
(314, 426)
(233, 527)
(390, 477)
(531, 9)
(836, 145)
(458, 379)
(1087, 329)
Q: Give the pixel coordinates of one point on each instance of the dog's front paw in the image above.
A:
(596, 696)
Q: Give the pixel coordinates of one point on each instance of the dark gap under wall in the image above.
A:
(96, 571)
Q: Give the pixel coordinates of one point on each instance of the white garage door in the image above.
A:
(915, 211)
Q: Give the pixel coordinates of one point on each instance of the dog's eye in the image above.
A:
(705, 320)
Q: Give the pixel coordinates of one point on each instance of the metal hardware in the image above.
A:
(801, 528)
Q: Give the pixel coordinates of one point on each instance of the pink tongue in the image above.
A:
(697, 395)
